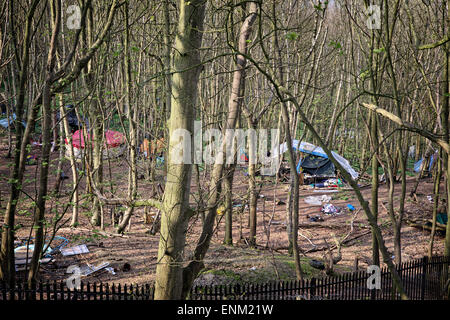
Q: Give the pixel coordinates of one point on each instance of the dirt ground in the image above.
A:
(134, 255)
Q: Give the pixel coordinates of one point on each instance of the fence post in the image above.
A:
(424, 276)
(313, 288)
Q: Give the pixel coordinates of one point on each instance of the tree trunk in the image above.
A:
(228, 191)
(132, 175)
(436, 188)
(374, 202)
(7, 266)
(175, 215)
(234, 104)
(252, 192)
(39, 218)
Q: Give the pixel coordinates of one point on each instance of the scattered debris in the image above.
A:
(111, 270)
(221, 210)
(126, 267)
(236, 206)
(316, 264)
(329, 183)
(25, 251)
(63, 176)
(330, 209)
(317, 200)
(89, 269)
(31, 160)
(278, 222)
(23, 256)
(315, 218)
(21, 264)
(325, 191)
(75, 250)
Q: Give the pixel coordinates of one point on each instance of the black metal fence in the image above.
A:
(59, 291)
(423, 279)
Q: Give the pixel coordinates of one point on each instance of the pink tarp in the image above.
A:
(113, 139)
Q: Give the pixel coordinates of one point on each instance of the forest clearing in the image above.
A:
(240, 263)
(184, 145)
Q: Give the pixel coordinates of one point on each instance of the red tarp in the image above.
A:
(113, 139)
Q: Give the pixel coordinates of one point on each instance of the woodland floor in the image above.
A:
(224, 264)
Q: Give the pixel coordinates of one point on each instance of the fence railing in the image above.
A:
(58, 291)
(423, 279)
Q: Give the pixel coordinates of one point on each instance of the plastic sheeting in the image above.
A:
(317, 200)
(418, 164)
(317, 166)
(5, 123)
(309, 148)
(115, 145)
(113, 139)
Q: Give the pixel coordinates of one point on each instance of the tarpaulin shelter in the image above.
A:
(418, 164)
(243, 156)
(12, 118)
(114, 144)
(72, 118)
(315, 162)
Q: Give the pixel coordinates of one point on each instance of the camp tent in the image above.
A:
(114, 144)
(316, 162)
(418, 165)
(72, 118)
(243, 156)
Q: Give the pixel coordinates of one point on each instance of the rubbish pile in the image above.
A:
(326, 207)
(24, 251)
(315, 218)
(89, 269)
(328, 183)
(330, 209)
(74, 250)
(333, 210)
(317, 200)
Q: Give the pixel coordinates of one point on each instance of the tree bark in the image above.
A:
(235, 101)
(7, 266)
(174, 219)
(39, 218)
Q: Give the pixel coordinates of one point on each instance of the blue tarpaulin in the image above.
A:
(5, 123)
(311, 149)
(418, 164)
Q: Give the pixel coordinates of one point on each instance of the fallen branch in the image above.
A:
(343, 242)
(109, 235)
(422, 225)
(127, 202)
